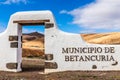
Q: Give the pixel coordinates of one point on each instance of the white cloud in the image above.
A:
(63, 11)
(25, 30)
(88, 31)
(14, 2)
(102, 14)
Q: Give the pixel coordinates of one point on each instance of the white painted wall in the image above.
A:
(60, 39)
(54, 45)
(55, 40)
(14, 55)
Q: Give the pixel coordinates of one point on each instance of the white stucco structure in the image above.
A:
(14, 28)
(58, 46)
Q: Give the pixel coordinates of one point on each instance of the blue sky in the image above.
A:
(75, 16)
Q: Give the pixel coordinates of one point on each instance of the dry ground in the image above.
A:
(79, 75)
(102, 38)
(69, 75)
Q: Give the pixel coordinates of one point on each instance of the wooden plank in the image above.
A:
(49, 25)
(51, 65)
(48, 56)
(14, 45)
(13, 38)
(11, 65)
(31, 22)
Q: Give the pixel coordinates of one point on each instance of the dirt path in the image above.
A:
(30, 75)
(74, 75)
(79, 75)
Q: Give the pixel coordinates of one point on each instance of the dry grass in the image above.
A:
(32, 52)
(102, 38)
(33, 45)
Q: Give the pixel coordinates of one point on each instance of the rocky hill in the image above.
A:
(33, 44)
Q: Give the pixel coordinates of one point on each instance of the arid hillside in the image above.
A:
(102, 38)
(33, 44)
